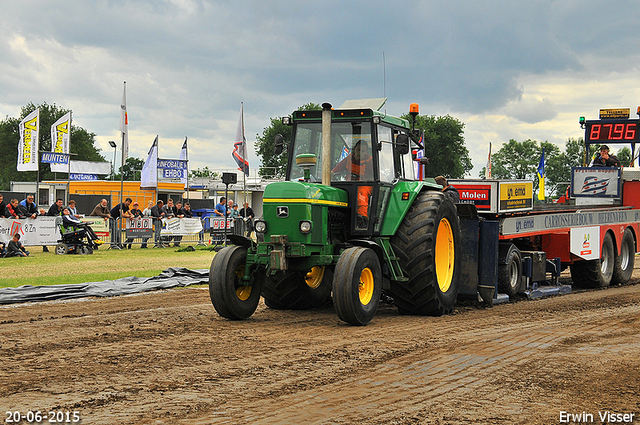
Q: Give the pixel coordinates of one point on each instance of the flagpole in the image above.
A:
(244, 157)
(187, 158)
(68, 163)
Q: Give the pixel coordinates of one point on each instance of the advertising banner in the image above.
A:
(172, 169)
(28, 146)
(595, 182)
(139, 227)
(585, 242)
(33, 231)
(98, 224)
(60, 139)
(181, 226)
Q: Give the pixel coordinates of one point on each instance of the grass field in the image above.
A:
(47, 268)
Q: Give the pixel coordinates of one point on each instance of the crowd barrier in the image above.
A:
(123, 233)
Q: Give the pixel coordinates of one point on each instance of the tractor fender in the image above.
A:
(401, 198)
(368, 244)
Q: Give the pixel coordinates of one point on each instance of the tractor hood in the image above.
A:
(305, 193)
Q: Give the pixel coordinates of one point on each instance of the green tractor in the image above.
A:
(349, 222)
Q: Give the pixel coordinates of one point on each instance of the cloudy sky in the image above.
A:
(507, 69)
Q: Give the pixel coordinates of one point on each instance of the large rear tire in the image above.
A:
(295, 290)
(595, 273)
(357, 285)
(229, 296)
(510, 273)
(427, 244)
(623, 267)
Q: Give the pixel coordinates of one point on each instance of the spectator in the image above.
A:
(247, 214)
(229, 207)
(3, 206)
(55, 208)
(73, 210)
(158, 214)
(233, 213)
(221, 208)
(178, 212)
(169, 212)
(3, 251)
(119, 210)
(13, 210)
(134, 212)
(28, 207)
(146, 213)
(70, 220)
(101, 210)
(449, 191)
(15, 248)
(186, 210)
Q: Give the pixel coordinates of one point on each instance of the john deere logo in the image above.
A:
(282, 212)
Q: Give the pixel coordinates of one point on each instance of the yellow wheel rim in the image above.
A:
(365, 287)
(314, 277)
(242, 291)
(445, 255)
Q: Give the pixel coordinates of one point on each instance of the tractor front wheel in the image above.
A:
(230, 297)
(357, 285)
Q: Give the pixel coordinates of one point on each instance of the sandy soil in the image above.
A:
(167, 357)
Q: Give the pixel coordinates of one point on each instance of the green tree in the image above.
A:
(558, 167)
(624, 156)
(275, 165)
(82, 144)
(516, 160)
(132, 169)
(444, 146)
(205, 172)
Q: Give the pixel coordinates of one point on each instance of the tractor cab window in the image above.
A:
(408, 165)
(351, 153)
(308, 139)
(386, 155)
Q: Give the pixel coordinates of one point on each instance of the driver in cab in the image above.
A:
(359, 165)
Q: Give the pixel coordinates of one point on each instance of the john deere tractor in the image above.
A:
(349, 222)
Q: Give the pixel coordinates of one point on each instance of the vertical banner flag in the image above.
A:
(487, 169)
(184, 155)
(240, 146)
(60, 140)
(149, 176)
(540, 173)
(28, 146)
(124, 125)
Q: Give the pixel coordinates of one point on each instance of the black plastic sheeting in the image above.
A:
(170, 278)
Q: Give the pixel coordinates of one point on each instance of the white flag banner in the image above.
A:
(124, 125)
(90, 167)
(60, 139)
(28, 146)
(149, 175)
(184, 155)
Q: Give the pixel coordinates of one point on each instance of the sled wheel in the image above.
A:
(229, 296)
(510, 273)
(357, 285)
(62, 249)
(623, 266)
(595, 273)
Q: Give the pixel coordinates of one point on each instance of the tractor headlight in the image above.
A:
(260, 226)
(306, 226)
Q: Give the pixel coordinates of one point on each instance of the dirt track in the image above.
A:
(167, 357)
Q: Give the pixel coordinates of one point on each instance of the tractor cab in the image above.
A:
(368, 154)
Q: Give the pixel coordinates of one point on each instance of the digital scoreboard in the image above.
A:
(612, 131)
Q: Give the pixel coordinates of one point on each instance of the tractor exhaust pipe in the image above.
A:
(326, 144)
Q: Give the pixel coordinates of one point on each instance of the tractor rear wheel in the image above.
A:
(427, 244)
(357, 285)
(294, 290)
(623, 267)
(229, 296)
(595, 273)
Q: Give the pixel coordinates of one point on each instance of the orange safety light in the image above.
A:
(414, 109)
(638, 110)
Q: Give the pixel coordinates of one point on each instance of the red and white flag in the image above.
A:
(124, 125)
(240, 146)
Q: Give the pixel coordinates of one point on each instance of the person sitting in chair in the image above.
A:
(71, 221)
